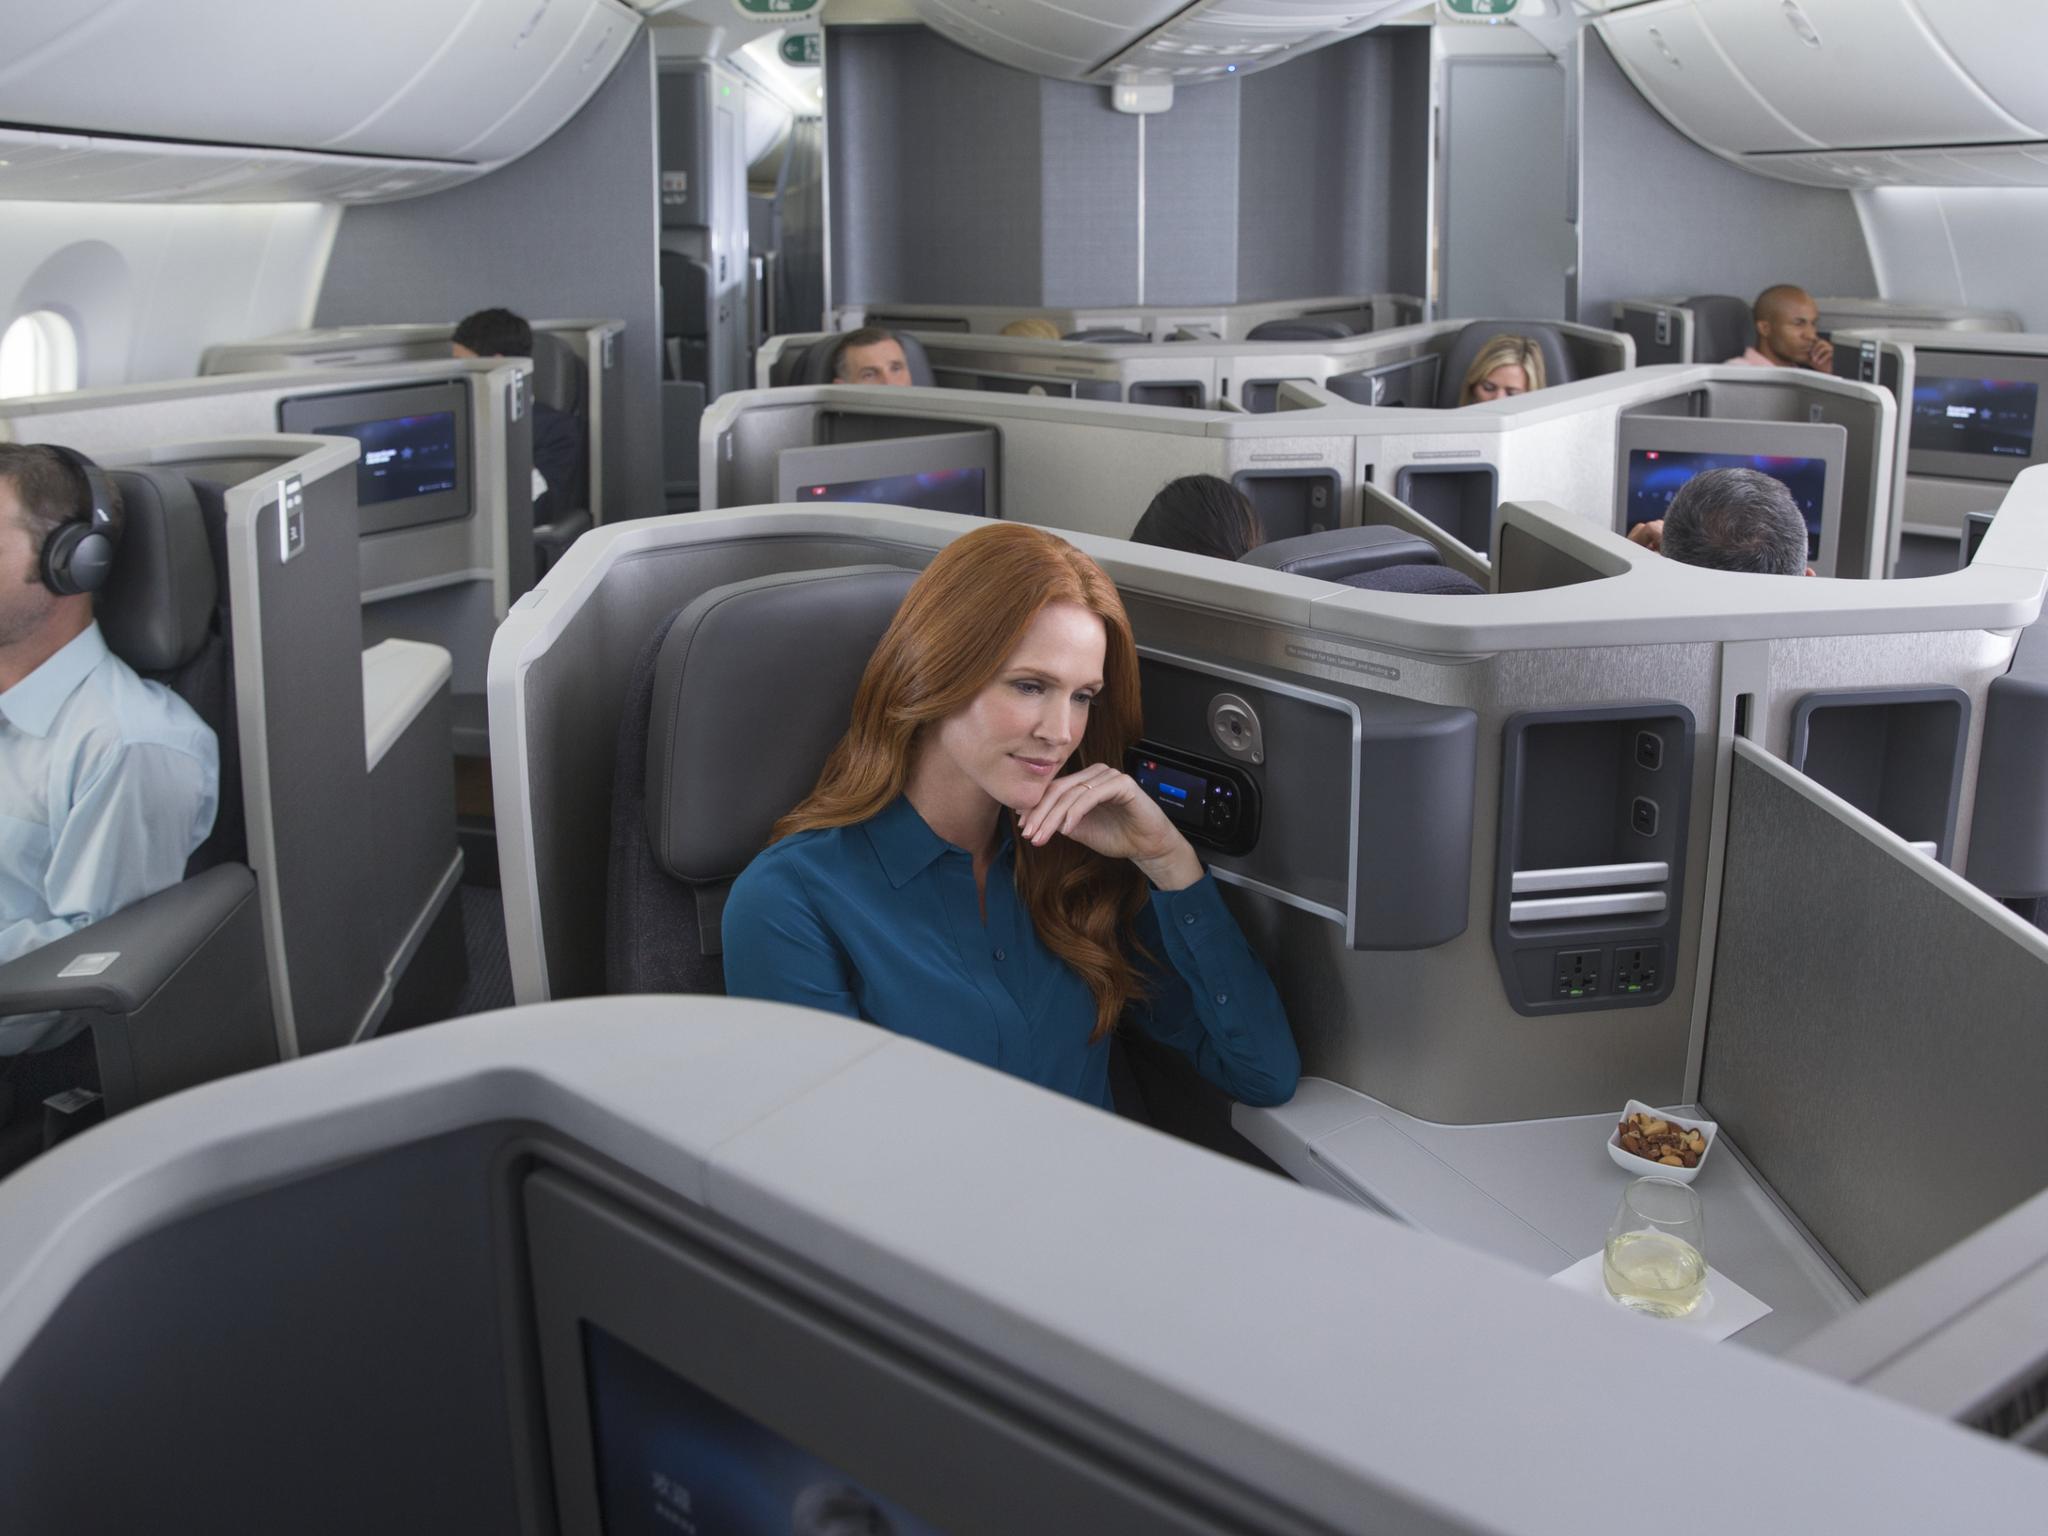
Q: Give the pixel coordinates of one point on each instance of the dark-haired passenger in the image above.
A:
(107, 782)
(975, 869)
(1203, 515)
(1731, 520)
(557, 436)
(870, 355)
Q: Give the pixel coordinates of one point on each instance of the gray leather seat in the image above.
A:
(1299, 328)
(703, 772)
(1372, 556)
(1723, 326)
(814, 364)
(1467, 344)
(1108, 334)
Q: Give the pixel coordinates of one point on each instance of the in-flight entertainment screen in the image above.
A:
(403, 456)
(937, 490)
(1984, 416)
(1654, 476)
(672, 1458)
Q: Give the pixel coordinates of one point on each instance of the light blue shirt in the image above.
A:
(881, 921)
(107, 785)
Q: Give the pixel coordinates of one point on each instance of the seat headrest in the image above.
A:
(685, 296)
(1473, 339)
(1339, 553)
(157, 607)
(1723, 326)
(558, 374)
(1298, 328)
(815, 366)
(753, 688)
(1430, 580)
(1107, 334)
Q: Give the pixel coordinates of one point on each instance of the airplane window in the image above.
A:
(38, 355)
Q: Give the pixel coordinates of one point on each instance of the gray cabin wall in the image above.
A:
(567, 230)
(958, 180)
(1658, 215)
(1333, 163)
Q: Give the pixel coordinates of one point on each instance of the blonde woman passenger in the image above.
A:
(1505, 367)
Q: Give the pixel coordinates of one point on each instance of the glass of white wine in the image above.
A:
(1656, 1259)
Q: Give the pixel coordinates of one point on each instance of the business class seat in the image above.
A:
(1723, 326)
(186, 995)
(1301, 328)
(1373, 557)
(703, 773)
(1467, 344)
(561, 382)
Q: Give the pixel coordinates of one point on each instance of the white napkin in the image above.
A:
(1726, 1308)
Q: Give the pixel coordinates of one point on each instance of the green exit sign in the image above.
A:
(777, 8)
(803, 49)
(1477, 10)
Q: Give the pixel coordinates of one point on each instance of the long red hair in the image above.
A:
(959, 623)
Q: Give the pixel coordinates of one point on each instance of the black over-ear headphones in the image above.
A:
(79, 554)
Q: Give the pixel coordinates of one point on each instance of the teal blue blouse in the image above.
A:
(880, 921)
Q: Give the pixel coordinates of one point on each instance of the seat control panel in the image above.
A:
(1215, 804)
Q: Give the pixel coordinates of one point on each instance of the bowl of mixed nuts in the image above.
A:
(1649, 1141)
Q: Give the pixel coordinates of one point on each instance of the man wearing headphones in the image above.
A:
(107, 783)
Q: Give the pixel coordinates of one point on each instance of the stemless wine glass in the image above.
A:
(1656, 1258)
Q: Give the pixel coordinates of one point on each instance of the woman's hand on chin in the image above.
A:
(1103, 809)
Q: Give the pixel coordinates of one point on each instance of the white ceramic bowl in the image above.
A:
(1643, 1167)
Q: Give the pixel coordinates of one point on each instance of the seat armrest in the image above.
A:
(147, 942)
(400, 678)
(551, 540)
(1340, 552)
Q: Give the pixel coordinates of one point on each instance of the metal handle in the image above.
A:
(1585, 877)
(1607, 904)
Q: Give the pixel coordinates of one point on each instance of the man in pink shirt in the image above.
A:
(1787, 332)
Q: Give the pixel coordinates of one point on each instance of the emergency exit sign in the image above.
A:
(802, 48)
(777, 7)
(1477, 10)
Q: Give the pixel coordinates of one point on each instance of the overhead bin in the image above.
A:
(381, 99)
(1853, 93)
(1154, 41)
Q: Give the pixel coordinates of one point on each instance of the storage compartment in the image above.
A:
(1895, 756)
(1262, 396)
(1595, 808)
(1460, 498)
(1292, 502)
(1185, 393)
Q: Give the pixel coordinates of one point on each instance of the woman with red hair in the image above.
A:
(974, 868)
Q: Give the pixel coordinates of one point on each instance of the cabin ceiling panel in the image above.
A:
(471, 83)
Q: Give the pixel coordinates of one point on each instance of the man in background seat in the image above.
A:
(108, 783)
(557, 439)
(1787, 332)
(871, 355)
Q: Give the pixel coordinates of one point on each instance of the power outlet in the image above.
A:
(1575, 973)
(1637, 969)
